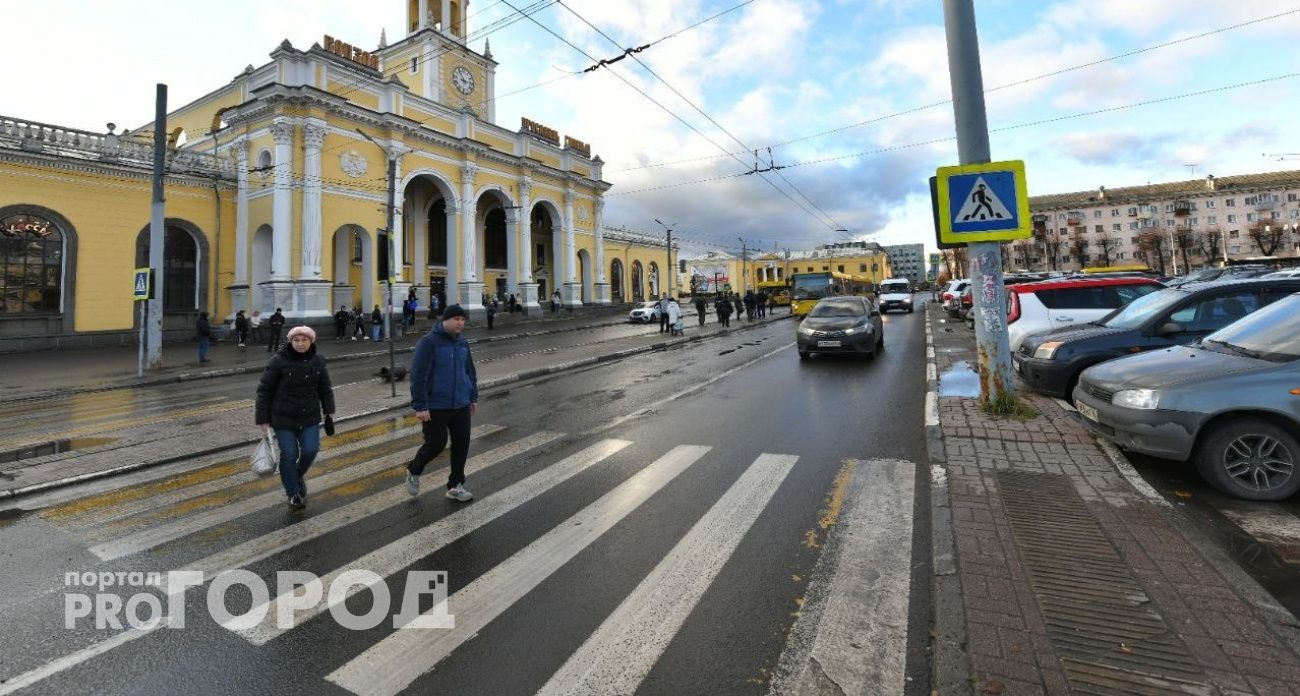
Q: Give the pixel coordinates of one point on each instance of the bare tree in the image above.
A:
(1079, 248)
(1210, 242)
(1022, 253)
(1107, 244)
(1184, 239)
(1007, 263)
(1267, 237)
(1051, 244)
(955, 260)
(1152, 243)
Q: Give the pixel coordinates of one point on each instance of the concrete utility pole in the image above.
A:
(744, 272)
(388, 225)
(992, 347)
(157, 221)
(669, 279)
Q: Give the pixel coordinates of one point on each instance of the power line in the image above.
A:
(1017, 83)
(673, 114)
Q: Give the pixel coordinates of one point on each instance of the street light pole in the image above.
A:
(388, 316)
(669, 229)
(744, 272)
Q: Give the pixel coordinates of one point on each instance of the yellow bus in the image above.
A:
(808, 288)
(1137, 268)
(776, 288)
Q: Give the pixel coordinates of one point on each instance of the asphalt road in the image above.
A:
(706, 422)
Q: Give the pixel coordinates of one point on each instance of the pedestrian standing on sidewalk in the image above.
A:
(358, 322)
(740, 304)
(771, 303)
(408, 312)
(700, 305)
(722, 306)
(203, 332)
(444, 395)
(760, 304)
(555, 302)
(663, 313)
(376, 324)
(294, 393)
(341, 318)
(675, 324)
(491, 311)
(255, 325)
(435, 306)
(241, 328)
(275, 324)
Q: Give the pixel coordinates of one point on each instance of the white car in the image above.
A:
(1054, 304)
(644, 312)
(896, 293)
(951, 297)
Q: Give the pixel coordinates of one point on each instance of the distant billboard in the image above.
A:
(709, 277)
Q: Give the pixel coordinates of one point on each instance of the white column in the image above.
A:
(570, 246)
(313, 133)
(526, 229)
(512, 250)
(419, 239)
(453, 267)
(471, 286)
(423, 19)
(281, 211)
(241, 214)
(602, 295)
(446, 16)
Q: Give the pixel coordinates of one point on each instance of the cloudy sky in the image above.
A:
(850, 95)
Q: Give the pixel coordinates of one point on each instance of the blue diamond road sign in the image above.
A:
(983, 202)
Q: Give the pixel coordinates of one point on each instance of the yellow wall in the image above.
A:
(107, 212)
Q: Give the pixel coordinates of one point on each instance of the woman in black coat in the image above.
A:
(295, 390)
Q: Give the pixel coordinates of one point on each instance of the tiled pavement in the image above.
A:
(1073, 581)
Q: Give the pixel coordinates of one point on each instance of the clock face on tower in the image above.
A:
(463, 79)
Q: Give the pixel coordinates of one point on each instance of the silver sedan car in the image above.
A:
(1230, 403)
(848, 324)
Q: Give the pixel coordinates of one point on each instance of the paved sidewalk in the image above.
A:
(1054, 574)
(231, 425)
(49, 373)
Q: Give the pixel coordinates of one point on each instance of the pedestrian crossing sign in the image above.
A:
(141, 287)
(983, 202)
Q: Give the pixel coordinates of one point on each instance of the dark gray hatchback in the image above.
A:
(1230, 402)
(1052, 362)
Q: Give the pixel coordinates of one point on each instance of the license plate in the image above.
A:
(828, 344)
(1088, 412)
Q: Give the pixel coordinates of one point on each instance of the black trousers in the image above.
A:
(441, 423)
(663, 322)
(273, 339)
(701, 315)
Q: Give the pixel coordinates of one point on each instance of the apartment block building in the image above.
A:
(908, 261)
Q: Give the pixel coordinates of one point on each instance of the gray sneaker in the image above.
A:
(412, 484)
(459, 493)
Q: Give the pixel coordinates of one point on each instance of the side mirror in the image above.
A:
(875, 312)
(1169, 328)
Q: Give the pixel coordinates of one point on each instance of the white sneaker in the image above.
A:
(412, 484)
(459, 493)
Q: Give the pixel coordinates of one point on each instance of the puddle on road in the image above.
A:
(54, 447)
(959, 380)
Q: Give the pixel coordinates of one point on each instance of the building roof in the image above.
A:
(1171, 189)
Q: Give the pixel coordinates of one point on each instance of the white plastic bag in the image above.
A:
(267, 455)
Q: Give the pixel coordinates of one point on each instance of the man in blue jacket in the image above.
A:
(444, 394)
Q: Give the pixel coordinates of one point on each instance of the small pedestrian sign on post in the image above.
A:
(142, 285)
(983, 203)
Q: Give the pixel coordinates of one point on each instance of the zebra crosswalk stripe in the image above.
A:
(619, 654)
(155, 536)
(399, 659)
(403, 552)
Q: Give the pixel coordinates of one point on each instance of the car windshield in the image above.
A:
(838, 308)
(1141, 310)
(1203, 274)
(893, 287)
(1270, 333)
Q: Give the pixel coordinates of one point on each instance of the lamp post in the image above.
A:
(669, 270)
(744, 272)
(388, 317)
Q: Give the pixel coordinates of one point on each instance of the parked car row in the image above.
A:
(1203, 371)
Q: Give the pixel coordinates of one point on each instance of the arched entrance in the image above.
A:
(638, 283)
(431, 238)
(37, 262)
(260, 270)
(544, 255)
(183, 273)
(616, 281)
(496, 250)
(352, 261)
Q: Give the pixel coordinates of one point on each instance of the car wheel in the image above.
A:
(910, 310)
(1251, 459)
(803, 355)
(880, 344)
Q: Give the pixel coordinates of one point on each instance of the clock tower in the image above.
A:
(447, 16)
(440, 65)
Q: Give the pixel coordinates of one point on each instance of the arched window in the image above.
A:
(31, 265)
(638, 292)
(180, 270)
(616, 279)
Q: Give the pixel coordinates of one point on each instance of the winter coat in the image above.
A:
(442, 372)
(295, 390)
(203, 329)
(276, 321)
(241, 323)
(722, 307)
(341, 317)
(376, 317)
(674, 312)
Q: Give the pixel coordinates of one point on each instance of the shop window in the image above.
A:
(31, 265)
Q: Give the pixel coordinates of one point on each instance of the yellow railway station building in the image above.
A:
(276, 196)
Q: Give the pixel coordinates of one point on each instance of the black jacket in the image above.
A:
(241, 323)
(276, 321)
(203, 329)
(294, 390)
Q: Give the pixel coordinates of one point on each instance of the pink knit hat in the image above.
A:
(302, 331)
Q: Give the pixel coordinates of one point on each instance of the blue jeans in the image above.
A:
(298, 449)
(374, 332)
(204, 343)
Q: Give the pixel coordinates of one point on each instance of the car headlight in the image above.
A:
(860, 328)
(1145, 399)
(805, 330)
(1047, 350)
